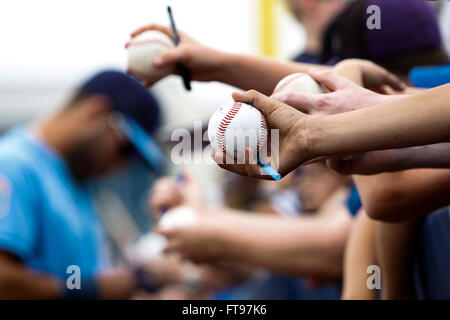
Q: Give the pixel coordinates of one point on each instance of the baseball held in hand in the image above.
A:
(236, 126)
(149, 247)
(143, 49)
(178, 217)
(299, 82)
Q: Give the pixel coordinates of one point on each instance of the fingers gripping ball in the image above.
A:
(236, 126)
(299, 82)
(143, 49)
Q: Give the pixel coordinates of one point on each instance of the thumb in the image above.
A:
(301, 101)
(329, 79)
(170, 57)
(259, 101)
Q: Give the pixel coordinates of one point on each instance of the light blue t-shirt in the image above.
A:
(46, 219)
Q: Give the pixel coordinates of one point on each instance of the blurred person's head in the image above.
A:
(95, 132)
(315, 15)
(409, 35)
(248, 193)
(240, 192)
(316, 183)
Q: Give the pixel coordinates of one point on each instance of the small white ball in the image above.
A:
(299, 82)
(178, 217)
(143, 49)
(235, 126)
(149, 247)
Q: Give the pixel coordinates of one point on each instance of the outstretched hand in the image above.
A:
(371, 75)
(194, 242)
(343, 96)
(286, 154)
(169, 192)
(203, 62)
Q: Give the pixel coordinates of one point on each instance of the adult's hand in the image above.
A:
(204, 63)
(196, 242)
(371, 75)
(293, 144)
(169, 192)
(343, 96)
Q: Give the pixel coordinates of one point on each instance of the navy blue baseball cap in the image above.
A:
(407, 27)
(136, 109)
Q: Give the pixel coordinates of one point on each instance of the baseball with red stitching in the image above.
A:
(235, 126)
(143, 49)
(299, 82)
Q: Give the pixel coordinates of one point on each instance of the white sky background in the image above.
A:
(79, 35)
(49, 46)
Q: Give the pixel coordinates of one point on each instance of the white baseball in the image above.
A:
(235, 126)
(299, 82)
(178, 217)
(149, 246)
(143, 49)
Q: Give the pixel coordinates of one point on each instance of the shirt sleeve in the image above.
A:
(18, 208)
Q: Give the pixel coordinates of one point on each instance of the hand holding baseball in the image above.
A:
(344, 96)
(195, 242)
(142, 49)
(164, 195)
(168, 193)
(204, 63)
(293, 148)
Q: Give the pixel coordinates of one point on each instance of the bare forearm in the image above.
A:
(404, 195)
(428, 156)
(418, 120)
(360, 254)
(304, 246)
(256, 72)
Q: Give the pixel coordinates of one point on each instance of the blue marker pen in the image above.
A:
(269, 170)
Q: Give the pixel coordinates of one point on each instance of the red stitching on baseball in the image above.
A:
(141, 42)
(262, 134)
(287, 82)
(223, 125)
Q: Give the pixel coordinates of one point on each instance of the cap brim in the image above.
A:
(144, 144)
